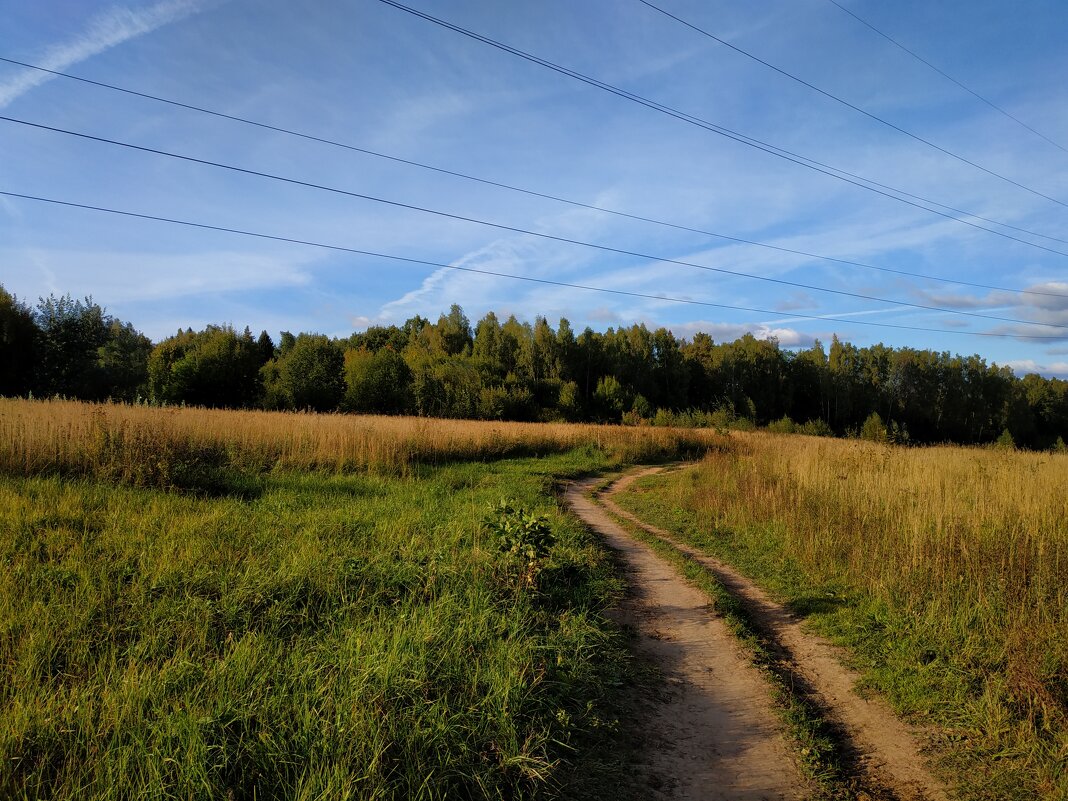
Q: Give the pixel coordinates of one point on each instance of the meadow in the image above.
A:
(204, 605)
(942, 570)
(117, 440)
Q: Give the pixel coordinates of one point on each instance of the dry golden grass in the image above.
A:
(944, 568)
(991, 525)
(81, 438)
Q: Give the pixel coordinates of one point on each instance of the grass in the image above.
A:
(140, 444)
(943, 570)
(204, 605)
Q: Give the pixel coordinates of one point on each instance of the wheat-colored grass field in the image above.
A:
(82, 438)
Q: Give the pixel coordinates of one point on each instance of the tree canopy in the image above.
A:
(515, 370)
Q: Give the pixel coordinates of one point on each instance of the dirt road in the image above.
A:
(715, 735)
(720, 738)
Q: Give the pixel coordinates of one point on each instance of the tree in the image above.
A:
(309, 375)
(122, 364)
(18, 345)
(377, 337)
(611, 398)
(544, 356)
(377, 382)
(70, 332)
(487, 345)
(671, 379)
(265, 345)
(810, 385)
(443, 386)
(567, 351)
(455, 330)
(874, 429)
(215, 367)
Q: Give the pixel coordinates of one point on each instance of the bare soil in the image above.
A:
(713, 734)
(884, 751)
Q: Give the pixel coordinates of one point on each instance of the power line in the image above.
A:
(559, 199)
(947, 76)
(512, 276)
(514, 229)
(346, 146)
(817, 166)
(847, 104)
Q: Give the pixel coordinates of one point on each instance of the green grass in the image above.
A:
(327, 636)
(946, 684)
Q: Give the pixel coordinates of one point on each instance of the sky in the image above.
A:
(369, 76)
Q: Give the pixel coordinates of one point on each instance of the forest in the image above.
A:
(522, 371)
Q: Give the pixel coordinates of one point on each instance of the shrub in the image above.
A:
(641, 407)
(874, 429)
(783, 426)
(816, 428)
(1005, 442)
(524, 541)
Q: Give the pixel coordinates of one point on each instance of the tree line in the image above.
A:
(516, 370)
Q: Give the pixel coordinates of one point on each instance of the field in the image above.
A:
(944, 571)
(202, 604)
(199, 604)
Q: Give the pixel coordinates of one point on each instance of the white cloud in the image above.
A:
(1025, 366)
(728, 332)
(107, 29)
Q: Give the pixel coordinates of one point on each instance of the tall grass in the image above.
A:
(337, 636)
(140, 444)
(946, 569)
(316, 614)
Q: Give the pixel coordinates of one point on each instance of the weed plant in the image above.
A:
(944, 570)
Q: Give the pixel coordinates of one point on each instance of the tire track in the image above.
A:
(715, 736)
(882, 748)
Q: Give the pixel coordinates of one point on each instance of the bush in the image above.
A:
(783, 426)
(641, 407)
(524, 541)
(874, 429)
(816, 428)
(1005, 442)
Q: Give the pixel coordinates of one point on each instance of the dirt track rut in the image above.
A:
(884, 750)
(715, 735)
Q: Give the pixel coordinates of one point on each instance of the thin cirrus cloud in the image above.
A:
(107, 29)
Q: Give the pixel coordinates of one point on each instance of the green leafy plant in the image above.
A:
(524, 541)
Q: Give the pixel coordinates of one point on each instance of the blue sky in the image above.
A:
(372, 76)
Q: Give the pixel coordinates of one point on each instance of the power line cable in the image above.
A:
(514, 229)
(854, 107)
(513, 276)
(947, 76)
(560, 199)
(813, 164)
